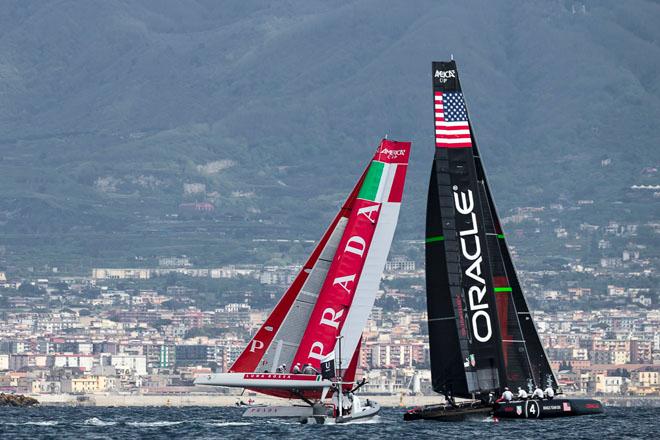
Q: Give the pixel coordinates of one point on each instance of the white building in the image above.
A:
(136, 364)
(85, 361)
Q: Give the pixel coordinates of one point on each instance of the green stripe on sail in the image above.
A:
(500, 235)
(503, 289)
(369, 188)
(434, 239)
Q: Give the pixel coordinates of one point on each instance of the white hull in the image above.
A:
(370, 410)
(279, 411)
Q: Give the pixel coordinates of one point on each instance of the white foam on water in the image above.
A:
(95, 421)
(154, 424)
(230, 424)
(43, 423)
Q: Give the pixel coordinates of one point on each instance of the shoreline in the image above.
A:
(223, 400)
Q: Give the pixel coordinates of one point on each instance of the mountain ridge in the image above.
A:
(109, 108)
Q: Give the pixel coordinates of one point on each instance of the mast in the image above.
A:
(339, 379)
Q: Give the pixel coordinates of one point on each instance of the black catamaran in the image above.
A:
(481, 333)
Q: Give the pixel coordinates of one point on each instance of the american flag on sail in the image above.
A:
(452, 129)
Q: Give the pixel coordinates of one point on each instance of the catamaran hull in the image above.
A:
(522, 409)
(448, 413)
(545, 409)
(289, 411)
(367, 412)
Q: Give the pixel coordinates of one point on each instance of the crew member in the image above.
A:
(522, 394)
(449, 398)
(296, 368)
(507, 396)
(281, 368)
(335, 400)
(537, 394)
(308, 369)
(549, 393)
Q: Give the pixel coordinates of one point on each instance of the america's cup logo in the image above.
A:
(392, 154)
(443, 75)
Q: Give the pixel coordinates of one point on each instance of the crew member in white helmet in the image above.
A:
(507, 396)
(549, 393)
(538, 394)
(296, 368)
(522, 394)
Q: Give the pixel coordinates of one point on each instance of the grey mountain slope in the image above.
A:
(107, 108)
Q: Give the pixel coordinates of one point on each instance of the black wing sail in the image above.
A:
(481, 332)
(464, 332)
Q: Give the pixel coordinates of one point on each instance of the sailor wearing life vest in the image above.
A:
(549, 393)
(522, 394)
(507, 396)
(538, 394)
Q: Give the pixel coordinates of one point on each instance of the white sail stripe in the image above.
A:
(460, 140)
(369, 283)
(438, 98)
(438, 107)
(382, 182)
(389, 180)
(454, 124)
(452, 132)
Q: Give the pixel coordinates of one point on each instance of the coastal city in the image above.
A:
(150, 330)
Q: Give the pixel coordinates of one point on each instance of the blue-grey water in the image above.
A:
(202, 423)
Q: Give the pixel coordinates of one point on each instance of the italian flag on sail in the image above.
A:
(383, 182)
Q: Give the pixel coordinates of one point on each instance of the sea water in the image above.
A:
(218, 423)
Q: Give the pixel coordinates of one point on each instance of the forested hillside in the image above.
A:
(118, 117)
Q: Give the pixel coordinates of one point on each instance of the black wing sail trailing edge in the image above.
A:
(481, 334)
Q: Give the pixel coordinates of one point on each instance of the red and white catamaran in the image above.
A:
(330, 300)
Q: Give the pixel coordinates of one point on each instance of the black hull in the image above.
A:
(520, 409)
(545, 409)
(448, 413)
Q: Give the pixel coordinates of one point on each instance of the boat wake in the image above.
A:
(43, 423)
(155, 424)
(229, 424)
